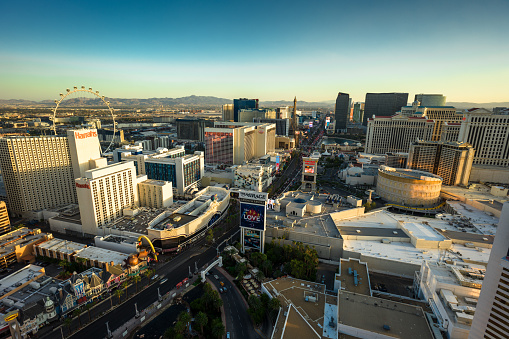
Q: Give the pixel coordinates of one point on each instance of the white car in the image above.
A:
(155, 277)
(215, 276)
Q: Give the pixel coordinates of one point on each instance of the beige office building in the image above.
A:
(452, 161)
(37, 172)
(155, 193)
(488, 134)
(104, 192)
(228, 112)
(396, 133)
(492, 310)
(232, 143)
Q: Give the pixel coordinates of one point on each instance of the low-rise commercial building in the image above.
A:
(18, 245)
(452, 292)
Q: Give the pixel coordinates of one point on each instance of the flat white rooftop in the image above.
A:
(406, 252)
(102, 255)
(482, 222)
(63, 246)
(20, 277)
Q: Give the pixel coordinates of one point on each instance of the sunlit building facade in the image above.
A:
(37, 172)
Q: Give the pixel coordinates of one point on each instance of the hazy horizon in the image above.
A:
(268, 50)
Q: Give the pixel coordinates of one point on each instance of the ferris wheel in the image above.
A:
(85, 90)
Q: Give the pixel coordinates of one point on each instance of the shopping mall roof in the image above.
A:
(382, 316)
(61, 245)
(20, 277)
(102, 255)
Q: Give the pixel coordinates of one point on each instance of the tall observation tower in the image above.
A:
(295, 123)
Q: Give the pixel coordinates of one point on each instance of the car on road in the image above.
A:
(221, 283)
(163, 281)
(220, 290)
(215, 276)
(227, 335)
(155, 277)
(224, 289)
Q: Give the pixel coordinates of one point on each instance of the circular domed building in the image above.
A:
(408, 187)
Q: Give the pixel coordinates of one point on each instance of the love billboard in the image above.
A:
(252, 216)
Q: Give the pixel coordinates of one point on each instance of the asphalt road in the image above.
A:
(175, 271)
(238, 322)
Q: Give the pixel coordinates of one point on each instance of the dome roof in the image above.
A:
(299, 201)
(355, 170)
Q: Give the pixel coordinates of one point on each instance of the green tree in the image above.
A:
(88, 307)
(119, 293)
(217, 328)
(210, 236)
(273, 307)
(201, 320)
(136, 279)
(298, 269)
(67, 322)
(124, 286)
(77, 313)
(266, 267)
(218, 302)
(180, 327)
(185, 317)
(240, 269)
(256, 309)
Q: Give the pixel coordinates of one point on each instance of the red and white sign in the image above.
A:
(309, 163)
(85, 135)
(83, 185)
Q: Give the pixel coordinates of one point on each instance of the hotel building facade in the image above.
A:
(452, 161)
(104, 192)
(396, 133)
(234, 143)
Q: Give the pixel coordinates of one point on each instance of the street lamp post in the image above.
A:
(159, 296)
(109, 334)
(136, 308)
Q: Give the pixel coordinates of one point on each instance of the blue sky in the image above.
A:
(271, 50)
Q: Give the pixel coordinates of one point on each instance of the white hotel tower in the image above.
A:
(491, 319)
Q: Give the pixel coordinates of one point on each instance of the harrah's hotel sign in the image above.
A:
(253, 196)
(83, 185)
(85, 135)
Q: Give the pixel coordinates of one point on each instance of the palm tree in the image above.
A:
(119, 293)
(67, 322)
(218, 302)
(124, 286)
(185, 317)
(201, 320)
(136, 278)
(88, 307)
(217, 328)
(77, 313)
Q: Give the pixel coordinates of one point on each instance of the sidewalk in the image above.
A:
(151, 311)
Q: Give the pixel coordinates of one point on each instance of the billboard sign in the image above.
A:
(252, 216)
(309, 169)
(252, 195)
(310, 124)
(252, 240)
(278, 162)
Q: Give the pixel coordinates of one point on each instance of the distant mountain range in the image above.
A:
(195, 101)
